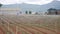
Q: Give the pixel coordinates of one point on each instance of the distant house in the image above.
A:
(58, 12)
(9, 10)
(52, 11)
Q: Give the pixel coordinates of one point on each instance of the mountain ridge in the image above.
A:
(33, 7)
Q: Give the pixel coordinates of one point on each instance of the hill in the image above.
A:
(32, 7)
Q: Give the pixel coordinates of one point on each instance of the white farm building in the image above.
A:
(10, 11)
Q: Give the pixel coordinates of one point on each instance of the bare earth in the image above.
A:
(29, 24)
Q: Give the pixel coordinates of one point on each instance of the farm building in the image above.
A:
(58, 12)
(9, 10)
(52, 11)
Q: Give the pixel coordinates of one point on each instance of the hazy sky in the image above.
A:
(40, 2)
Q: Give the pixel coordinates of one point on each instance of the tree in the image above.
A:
(0, 5)
(46, 13)
(56, 12)
(26, 12)
(36, 13)
(30, 12)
